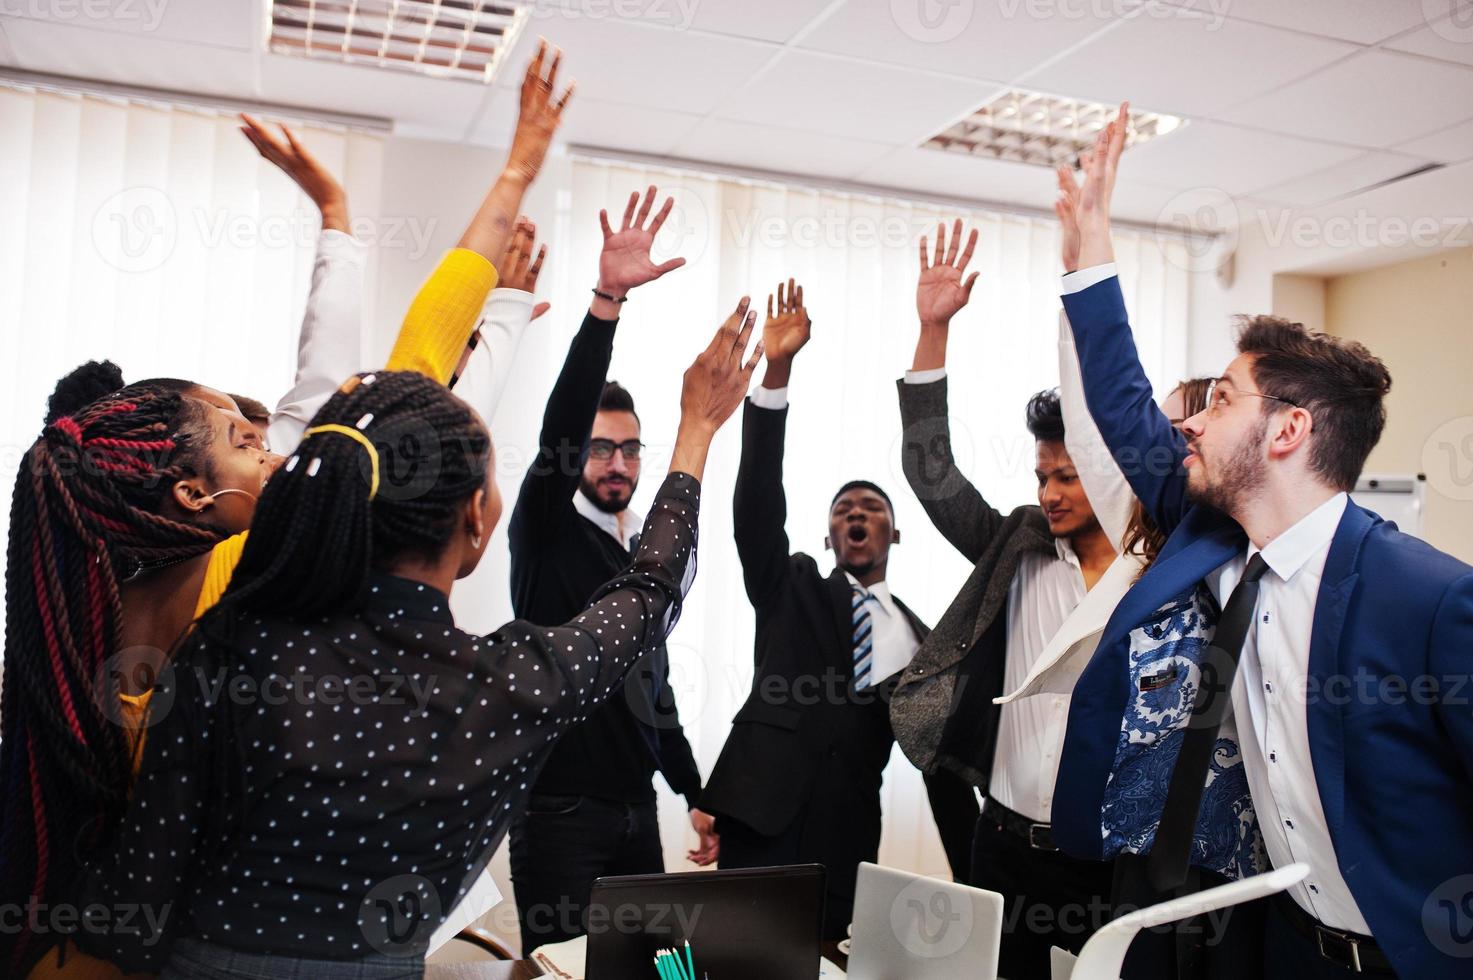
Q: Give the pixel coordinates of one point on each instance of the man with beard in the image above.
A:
(591, 812)
(798, 780)
(1031, 569)
(1341, 650)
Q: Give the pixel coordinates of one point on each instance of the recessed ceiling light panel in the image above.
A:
(464, 39)
(1030, 127)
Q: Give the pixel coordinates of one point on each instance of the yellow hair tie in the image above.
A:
(359, 438)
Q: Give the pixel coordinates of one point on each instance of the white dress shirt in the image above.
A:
(1270, 704)
(1030, 734)
(621, 526)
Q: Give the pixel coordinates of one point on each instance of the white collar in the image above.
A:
(621, 526)
(880, 590)
(1312, 533)
(1066, 552)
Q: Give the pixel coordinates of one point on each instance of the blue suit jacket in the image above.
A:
(1393, 758)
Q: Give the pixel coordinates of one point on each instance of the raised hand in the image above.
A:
(625, 261)
(941, 291)
(539, 115)
(1093, 207)
(315, 180)
(787, 329)
(1067, 208)
(518, 269)
(717, 382)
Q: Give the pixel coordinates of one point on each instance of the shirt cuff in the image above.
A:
(1078, 282)
(925, 377)
(510, 300)
(341, 245)
(775, 399)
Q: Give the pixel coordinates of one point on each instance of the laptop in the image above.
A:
(911, 927)
(756, 922)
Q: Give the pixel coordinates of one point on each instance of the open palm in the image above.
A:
(941, 291)
(787, 327)
(625, 261)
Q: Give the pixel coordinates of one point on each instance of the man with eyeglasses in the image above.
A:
(1341, 649)
(591, 812)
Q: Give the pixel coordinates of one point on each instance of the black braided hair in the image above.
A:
(81, 387)
(88, 506)
(316, 535)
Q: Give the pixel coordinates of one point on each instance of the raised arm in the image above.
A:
(1148, 449)
(442, 317)
(567, 422)
(759, 503)
(486, 365)
(330, 345)
(948, 497)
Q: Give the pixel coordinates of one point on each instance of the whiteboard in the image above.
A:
(1397, 498)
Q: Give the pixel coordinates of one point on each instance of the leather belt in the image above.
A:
(1038, 835)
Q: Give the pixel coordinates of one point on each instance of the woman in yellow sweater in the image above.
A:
(128, 519)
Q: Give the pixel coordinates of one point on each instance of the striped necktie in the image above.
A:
(864, 639)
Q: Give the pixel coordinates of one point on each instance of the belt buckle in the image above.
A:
(1034, 829)
(1348, 946)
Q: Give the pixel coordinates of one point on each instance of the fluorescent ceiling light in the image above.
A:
(1030, 127)
(464, 39)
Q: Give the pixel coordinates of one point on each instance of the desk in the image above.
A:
(526, 969)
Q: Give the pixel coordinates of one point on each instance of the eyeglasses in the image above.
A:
(1215, 396)
(602, 449)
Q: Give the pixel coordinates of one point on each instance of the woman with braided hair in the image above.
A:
(127, 524)
(339, 761)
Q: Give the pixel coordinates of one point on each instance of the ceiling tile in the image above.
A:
(971, 178)
(1451, 145)
(625, 61)
(217, 23)
(1361, 21)
(855, 99)
(732, 143)
(1338, 181)
(637, 129)
(142, 60)
(1231, 158)
(1450, 38)
(768, 20)
(1185, 63)
(993, 40)
(431, 108)
(1376, 99)
(6, 56)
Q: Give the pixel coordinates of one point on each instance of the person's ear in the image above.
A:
(828, 543)
(895, 535)
(1293, 432)
(191, 497)
(475, 518)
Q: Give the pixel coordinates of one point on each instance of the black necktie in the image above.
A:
(1172, 850)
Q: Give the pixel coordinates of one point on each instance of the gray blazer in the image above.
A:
(942, 710)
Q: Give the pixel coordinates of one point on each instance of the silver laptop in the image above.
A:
(910, 927)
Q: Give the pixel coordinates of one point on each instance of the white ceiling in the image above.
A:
(1292, 103)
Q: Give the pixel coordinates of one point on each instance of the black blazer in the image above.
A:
(803, 711)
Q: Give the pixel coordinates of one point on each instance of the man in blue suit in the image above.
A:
(1346, 645)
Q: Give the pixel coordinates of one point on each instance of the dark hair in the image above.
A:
(861, 485)
(83, 385)
(1339, 382)
(316, 533)
(87, 512)
(1142, 536)
(1046, 416)
(253, 410)
(616, 398)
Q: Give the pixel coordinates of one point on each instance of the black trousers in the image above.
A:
(1290, 955)
(1224, 945)
(560, 845)
(807, 841)
(1049, 898)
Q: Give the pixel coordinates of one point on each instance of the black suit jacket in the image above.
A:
(803, 711)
